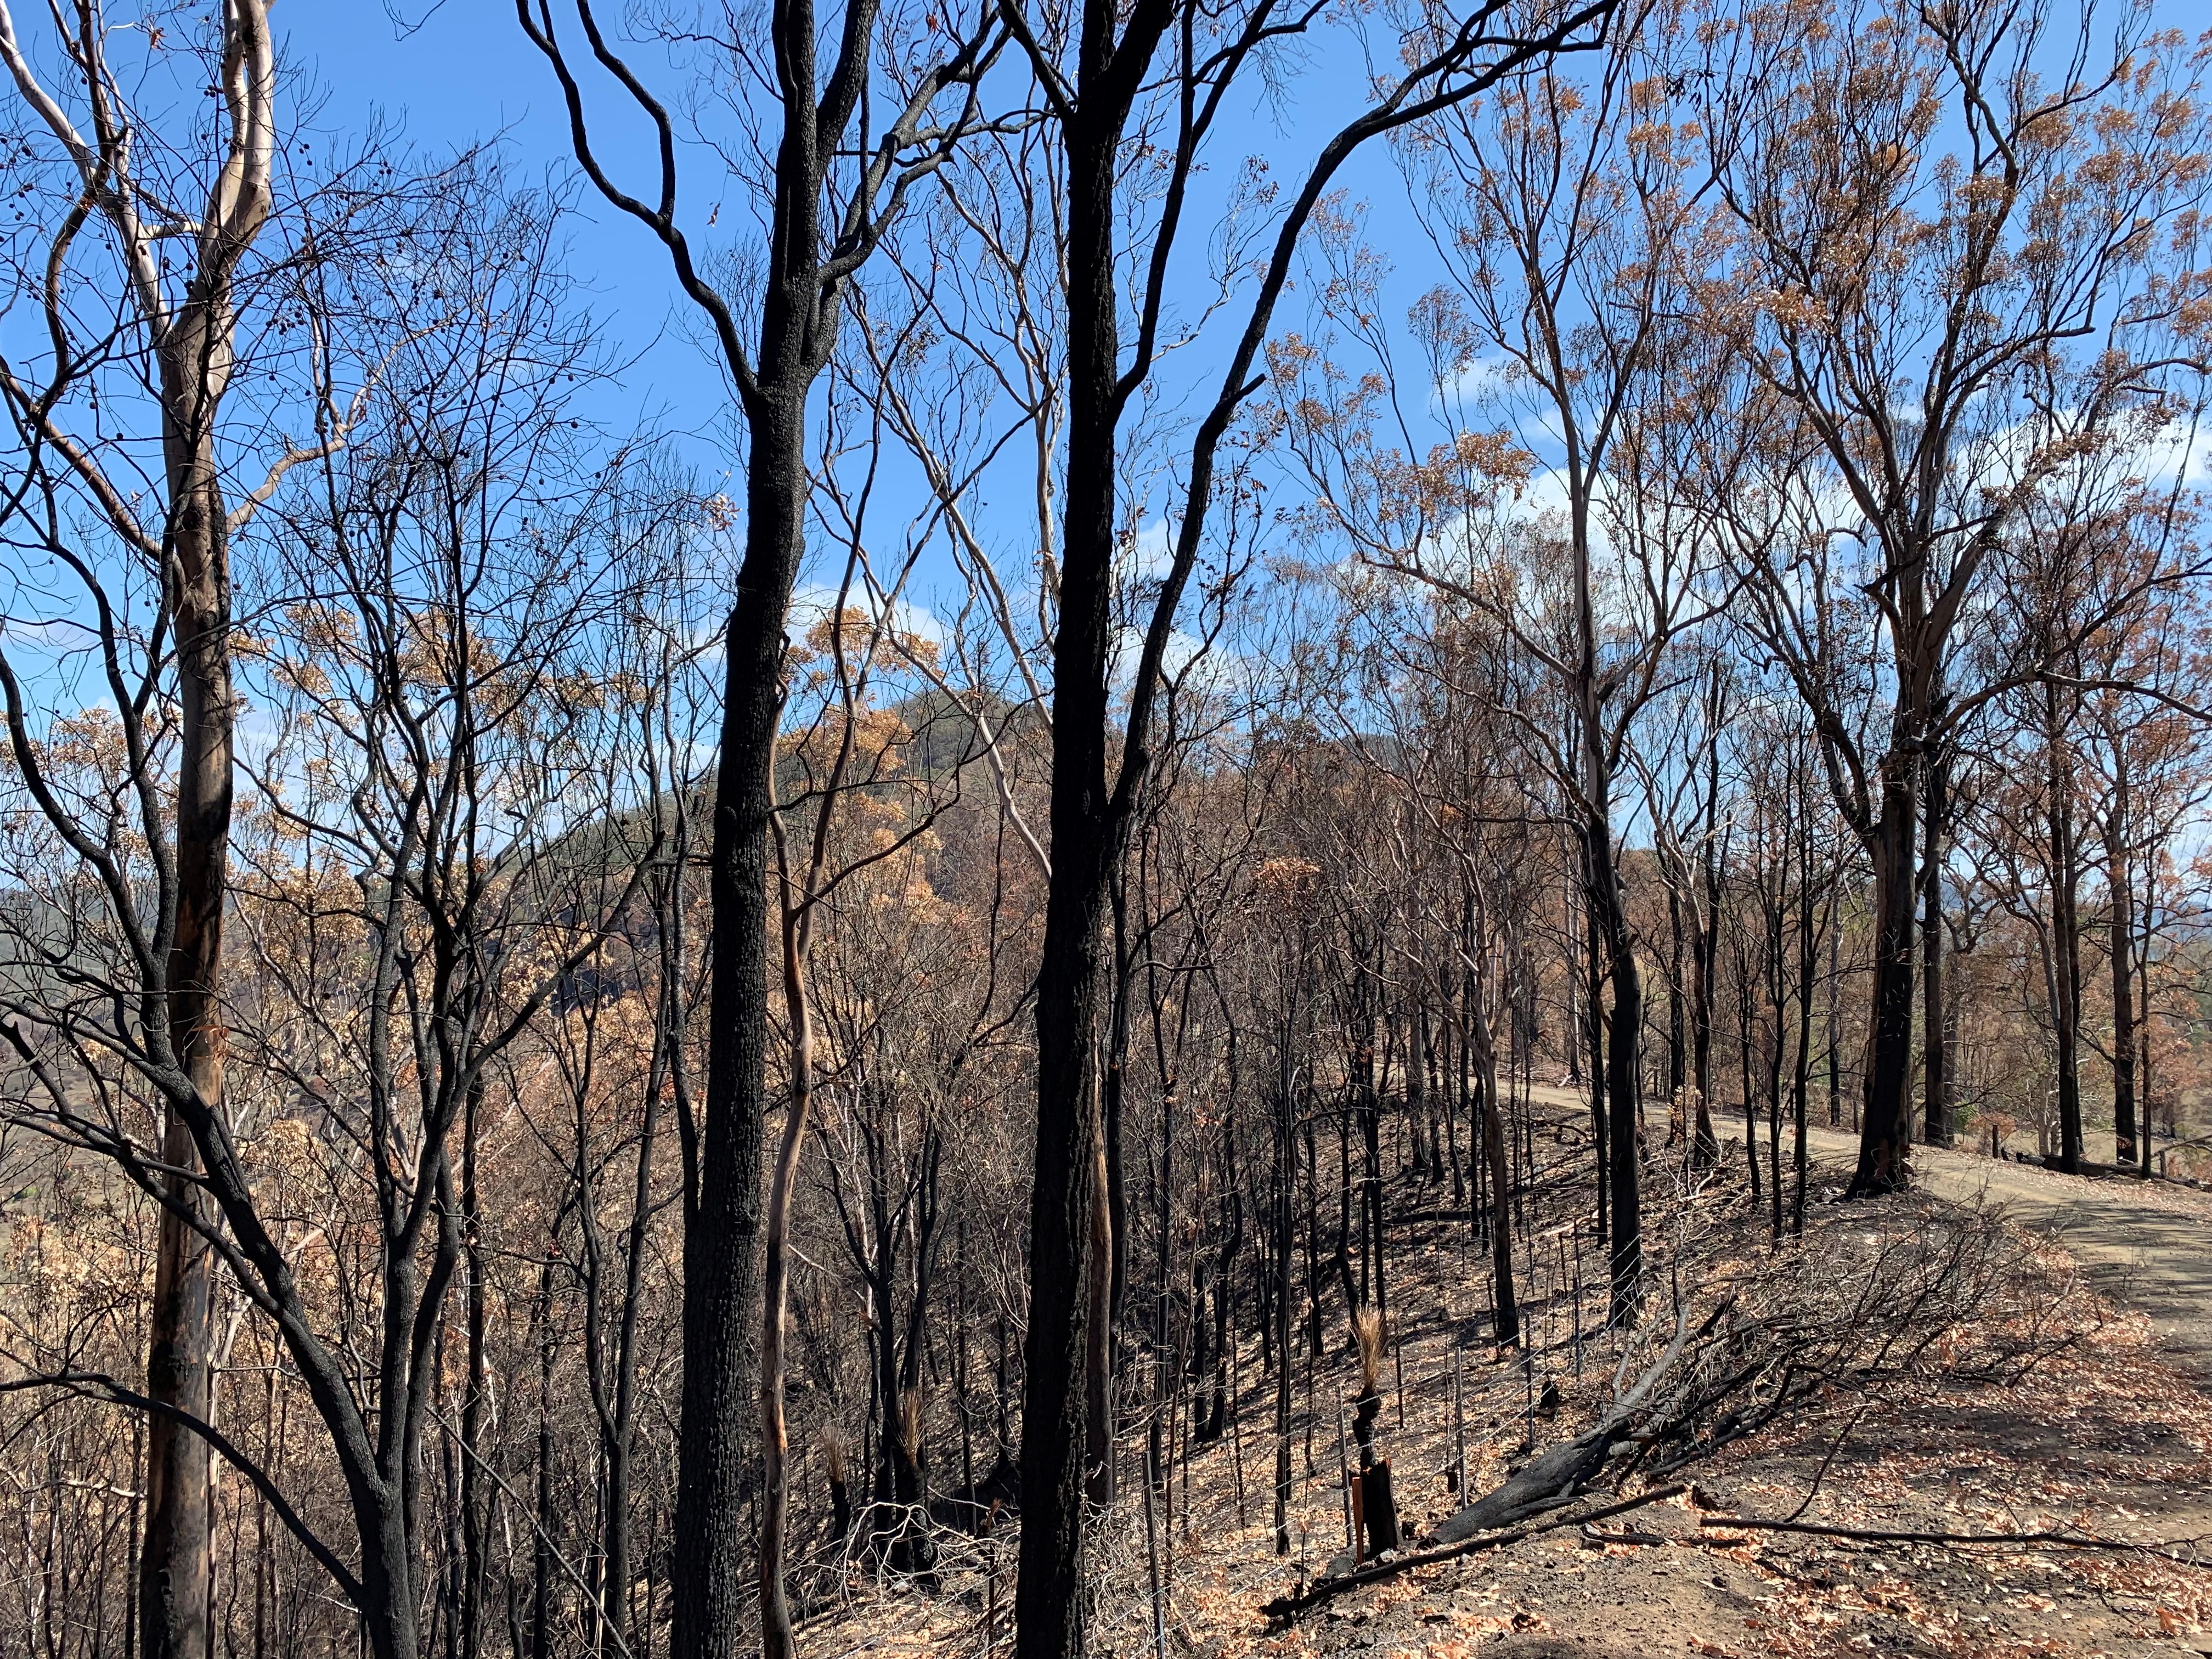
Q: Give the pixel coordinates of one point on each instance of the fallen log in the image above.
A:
(1549, 1481)
(1552, 1479)
(1284, 1607)
(1546, 1483)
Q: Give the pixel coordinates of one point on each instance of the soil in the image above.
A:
(2108, 1434)
(2148, 1244)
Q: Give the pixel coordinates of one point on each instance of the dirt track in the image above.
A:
(2101, 1435)
(2146, 1245)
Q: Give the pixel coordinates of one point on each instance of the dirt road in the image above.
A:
(2145, 1246)
(2099, 1436)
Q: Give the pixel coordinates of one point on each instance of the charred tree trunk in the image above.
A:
(1447, 1089)
(798, 304)
(1355, 1295)
(1621, 1080)
(1508, 1320)
(2065, 935)
(1312, 1233)
(476, 1517)
(1706, 1148)
(1416, 1123)
(1884, 1127)
(1743, 1041)
(1595, 1038)
(2117, 830)
(1678, 1071)
(1835, 998)
(1114, 53)
(1776, 902)
(542, 1534)
(1110, 1226)
(1064, 1196)
(1808, 957)
(2146, 1096)
(1286, 1179)
(1371, 1189)
(776, 1633)
(718, 1475)
(1936, 1109)
(1224, 1286)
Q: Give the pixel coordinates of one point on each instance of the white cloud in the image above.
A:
(1222, 670)
(1545, 492)
(1476, 381)
(1154, 551)
(2180, 453)
(812, 602)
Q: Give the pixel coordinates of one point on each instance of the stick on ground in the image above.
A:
(2169, 1549)
(1289, 1607)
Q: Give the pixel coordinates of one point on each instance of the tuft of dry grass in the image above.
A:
(1367, 1330)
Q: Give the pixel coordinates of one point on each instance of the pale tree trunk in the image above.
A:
(174, 1561)
(194, 347)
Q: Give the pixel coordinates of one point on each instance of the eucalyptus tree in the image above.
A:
(140, 254)
(1560, 205)
(430, 595)
(800, 154)
(2142, 740)
(1941, 314)
(1092, 82)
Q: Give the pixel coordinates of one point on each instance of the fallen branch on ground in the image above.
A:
(2165, 1548)
(1923, 1273)
(1289, 1607)
(1555, 1476)
(1600, 1536)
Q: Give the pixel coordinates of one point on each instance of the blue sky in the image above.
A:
(450, 74)
(438, 77)
(447, 74)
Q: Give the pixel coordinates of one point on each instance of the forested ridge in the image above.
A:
(1406, 807)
